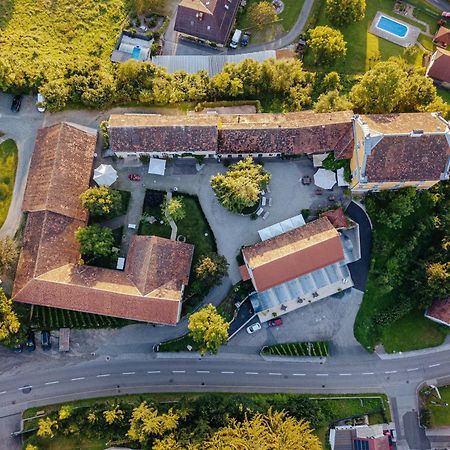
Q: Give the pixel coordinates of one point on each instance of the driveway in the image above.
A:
(186, 47)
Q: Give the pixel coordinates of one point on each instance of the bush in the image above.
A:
(144, 158)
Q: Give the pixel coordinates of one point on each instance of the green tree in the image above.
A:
(142, 7)
(438, 278)
(173, 209)
(332, 101)
(65, 412)
(326, 44)
(331, 82)
(101, 200)
(223, 85)
(95, 241)
(8, 253)
(9, 323)
(261, 14)
(211, 268)
(31, 447)
(208, 328)
(343, 12)
(56, 93)
(241, 185)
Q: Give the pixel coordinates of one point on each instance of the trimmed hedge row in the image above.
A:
(319, 348)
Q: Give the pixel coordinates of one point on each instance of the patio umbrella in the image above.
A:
(105, 175)
(325, 179)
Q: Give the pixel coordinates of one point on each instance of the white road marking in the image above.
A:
(154, 371)
(25, 387)
(435, 365)
(390, 371)
(128, 373)
(103, 375)
(251, 373)
(52, 382)
(412, 370)
(275, 373)
(76, 379)
(321, 374)
(299, 374)
(202, 371)
(368, 373)
(345, 374)
(3, 392)
(178, 371)
(227, 372)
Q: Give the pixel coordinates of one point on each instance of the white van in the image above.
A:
(39, 103)
(235, 39)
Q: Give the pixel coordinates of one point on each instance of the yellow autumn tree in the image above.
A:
(113, 415)
(47, 427)
(146, 421)
(65, 412)
(272, 431)
(9, 323)
(92, 417)
(31, 447)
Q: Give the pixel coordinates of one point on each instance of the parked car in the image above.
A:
(16, 102)
(235, 39)
(253, 328)
(18, 348)
(245, 39)
(40, 99)
(45, 340)
(31, 344)
(134, 177)
(276, 322)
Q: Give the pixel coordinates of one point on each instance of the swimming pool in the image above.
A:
(392, 26)
(136, 52)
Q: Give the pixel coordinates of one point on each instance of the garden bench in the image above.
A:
(266, 214)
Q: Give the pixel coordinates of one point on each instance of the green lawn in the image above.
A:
(8, 167)
(72, 443)
(412, 332)
(440, 415)
(426, 41)
(362, 47)
(298, 349)
(179, 345)
(6, 7)
(444, 93)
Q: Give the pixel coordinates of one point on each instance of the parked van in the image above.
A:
(235, 39)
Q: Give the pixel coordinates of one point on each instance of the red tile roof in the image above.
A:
(442, 37)
(439, 67)
(336, 217)
(440, 310)
(294, 253)
(244, 273)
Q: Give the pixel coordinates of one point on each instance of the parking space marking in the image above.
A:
(77, 379)
(412, 370)
(51, 382)
(154, 371)
(434, 365)
(128, 373)
(103, 375)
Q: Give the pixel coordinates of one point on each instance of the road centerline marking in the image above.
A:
(227, 372)
(412, 370)
(345, 374)
(178, 371)
(103, 375)
(77, 379)
(390, 371)
(128, 373)
(154, 371)
(434, 365)
(202, 371)
(299, 374)
(321, 374)
(25, 387)
(3, 392)
(251, 373)
(51, 382)
(368, 373)
(275, 373)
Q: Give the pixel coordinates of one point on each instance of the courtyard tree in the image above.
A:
(211, 268)
(241, 186)
(173, 209)
(9, 323)
(331, 82)
(262, 14)
(8, 253)
(332, 101)
(208, 328)
(47, 427)
(326, 44)
(95, 241)
(101, 200)
(344, 12)
(275, 429)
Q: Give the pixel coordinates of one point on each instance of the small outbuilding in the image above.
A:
(157, 166)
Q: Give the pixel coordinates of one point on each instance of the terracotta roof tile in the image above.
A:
(404, 123)
(440, 310)
(442, 36)
(439, 67)
(336, 217)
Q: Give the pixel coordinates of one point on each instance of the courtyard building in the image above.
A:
(360, 437)
(50, 271)
(439, 67)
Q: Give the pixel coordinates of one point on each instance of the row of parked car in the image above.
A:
(257, 326)
(30, 343)
(17, 102)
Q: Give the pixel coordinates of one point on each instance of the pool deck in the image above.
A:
(407, 41)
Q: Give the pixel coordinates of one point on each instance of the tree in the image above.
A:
(343, 12)
(331, 82)
(145, 6)
(208, 328)
(113, 415)
(8, 253)
(95, 241)
(332, 101)
(47, 427)
(173, 209)
(56, 94)
(101, 200)
(326, 44)
(31, 447)
(145, 421)
(438, 278)
(9, 323)
(65, 412)
(211, 268)
(261, 14)
(274, 430)
(241, 185)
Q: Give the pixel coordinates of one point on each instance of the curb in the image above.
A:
(303, 359)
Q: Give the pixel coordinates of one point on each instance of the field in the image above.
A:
(298, 349)
(8, 166)
(363, 48)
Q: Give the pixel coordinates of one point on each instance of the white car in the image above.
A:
(254, 327)
(39, 103)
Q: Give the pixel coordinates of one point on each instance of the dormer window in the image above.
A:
(416, 133)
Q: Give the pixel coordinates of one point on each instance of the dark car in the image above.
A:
(18, 348)
(245, 39)
(31, 344)
(276, 322)
(45, 340)
(16, 102)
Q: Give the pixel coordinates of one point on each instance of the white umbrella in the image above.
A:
(325, 179)
(105, 175)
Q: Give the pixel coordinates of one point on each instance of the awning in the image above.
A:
(281, 227)
(157, 166)
(105, 175)
(318, 159)
(325, 179)
(340, 177)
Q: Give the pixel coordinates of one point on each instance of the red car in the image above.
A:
(134, 177)
(276, 322)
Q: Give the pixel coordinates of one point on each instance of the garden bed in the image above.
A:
(8, 167)
(319, 348)
(179, 345)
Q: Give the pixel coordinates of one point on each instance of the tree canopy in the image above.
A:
(9, 323)
(208, 328)
(8, 253)
(332, 101)
(241, 185)
(173, 209)
(95, 241)
(211, 268)
(261, 14)
(327, 44)
(343, 12)
(101, 200)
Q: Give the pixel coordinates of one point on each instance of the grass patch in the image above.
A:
(8, 167)
(412, 332)
(444, 93)
(426, 41)
(363, 48)
(6, 7)
(298, 349)
(72, 443)
(152, 207)
(179, 345)
(440, 415)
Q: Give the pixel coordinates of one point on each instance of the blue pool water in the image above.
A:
(136, 52)
(392, 26)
